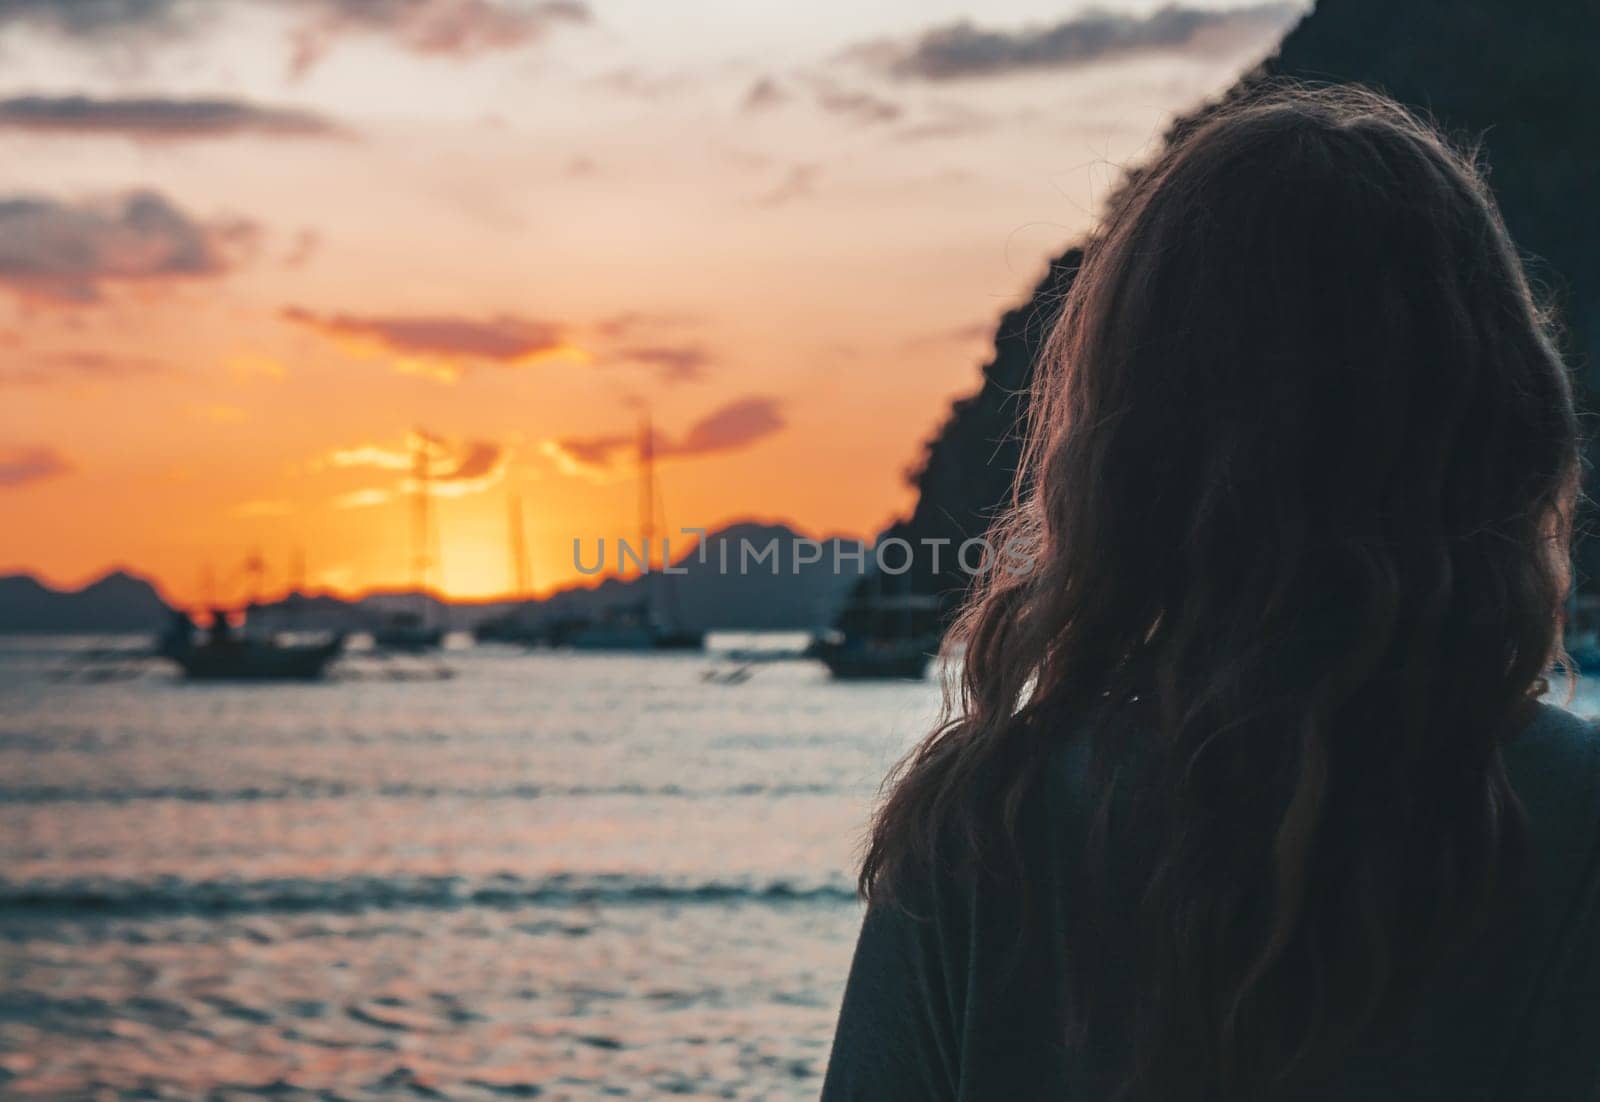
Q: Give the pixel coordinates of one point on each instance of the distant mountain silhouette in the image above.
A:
(707, 597)
(118, 602)
(704, 598)
(1517, 78)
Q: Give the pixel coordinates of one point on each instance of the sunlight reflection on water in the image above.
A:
(555, 875)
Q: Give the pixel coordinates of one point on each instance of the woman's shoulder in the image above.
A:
(1554, 768)
(1557, 755)
(1554, 726)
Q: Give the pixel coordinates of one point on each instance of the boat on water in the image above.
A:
(653, 622)
(222, 653)
(629, 628)
(604, 634)
(877, 659)
(664, 638)
(408, 632)
(509, 627)
(883, 637)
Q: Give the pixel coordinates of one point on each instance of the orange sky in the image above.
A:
(247, 247)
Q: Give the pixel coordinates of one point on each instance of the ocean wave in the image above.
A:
(176, 896)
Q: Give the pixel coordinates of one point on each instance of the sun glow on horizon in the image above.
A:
(252, 267)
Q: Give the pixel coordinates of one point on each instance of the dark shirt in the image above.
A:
(934, 1008)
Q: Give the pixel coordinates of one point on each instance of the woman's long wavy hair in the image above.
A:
(1298, 468)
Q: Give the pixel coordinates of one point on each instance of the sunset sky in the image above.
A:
(247, 247)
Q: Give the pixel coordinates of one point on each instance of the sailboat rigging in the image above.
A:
(653, 621)
(409, 629)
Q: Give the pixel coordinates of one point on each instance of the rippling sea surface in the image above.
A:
(553, 876)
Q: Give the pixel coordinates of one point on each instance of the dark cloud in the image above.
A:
(110, 19)
(439, 28)
(677, 362)
(444, 345)
(504, 339)
(733, 427)
(962, 49)
(22, 465)
(662, 341)
(638, 323)
(454, 467)
(588, 451)
(159, 119)
(763, 94)
(473, 460)
(68, 367)
(860, 106)
(67, 252)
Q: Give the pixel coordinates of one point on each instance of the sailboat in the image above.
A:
(224, 654)
(408, 629)
(248, 652)
(882, 635)
(641, 625)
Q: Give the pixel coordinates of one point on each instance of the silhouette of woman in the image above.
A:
(1247, 791)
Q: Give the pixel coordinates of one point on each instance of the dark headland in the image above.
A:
(1516, 79)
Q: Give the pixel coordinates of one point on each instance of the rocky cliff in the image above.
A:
(1517, 79)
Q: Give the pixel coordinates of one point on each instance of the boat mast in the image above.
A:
(647, 488)
(294, 592)
(650, 508)
(647, 511)
(519, 549)
(255, 569)
(421, 522)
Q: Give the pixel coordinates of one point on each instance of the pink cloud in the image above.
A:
(502, 339)
(20, 466)
(733, 427)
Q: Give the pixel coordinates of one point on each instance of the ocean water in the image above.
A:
(552, 875)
